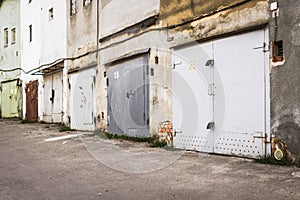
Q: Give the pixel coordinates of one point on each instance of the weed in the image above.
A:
(157, 143)
(152, 141)
(64, 128)
(284, 162)
(26, 121)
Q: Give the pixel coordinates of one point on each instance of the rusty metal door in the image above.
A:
(32, 101)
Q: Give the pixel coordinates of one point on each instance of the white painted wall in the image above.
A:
(10, 57)
(119, 14)
(53, 32)
(31, 51)
(48, 40)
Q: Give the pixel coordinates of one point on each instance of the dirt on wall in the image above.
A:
(203, 19)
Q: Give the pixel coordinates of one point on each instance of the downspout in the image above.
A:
(97, 53)
(97, 60)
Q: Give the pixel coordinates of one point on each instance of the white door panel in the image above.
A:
(230, 92)
(192, 105)
(82, 100)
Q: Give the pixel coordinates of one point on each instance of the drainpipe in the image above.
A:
(97, 60)
(97, 53)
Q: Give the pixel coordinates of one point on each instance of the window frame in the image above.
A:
(6, 39)
(13, 36)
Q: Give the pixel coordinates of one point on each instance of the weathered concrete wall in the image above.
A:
(81, 40)
(31, 51)
(53, 31)
(199, 19)
(117, 15)
(10, 55)
(285, 76)
(48, 41)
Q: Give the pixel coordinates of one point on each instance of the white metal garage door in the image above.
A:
(82, 100)
(220, 95)
(53, 97)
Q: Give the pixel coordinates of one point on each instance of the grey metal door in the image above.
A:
(128, 98)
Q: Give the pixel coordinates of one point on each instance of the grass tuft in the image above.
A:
(284, 162)
(152, 141)
(65, 128)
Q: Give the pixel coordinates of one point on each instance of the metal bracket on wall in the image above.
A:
(175, 64)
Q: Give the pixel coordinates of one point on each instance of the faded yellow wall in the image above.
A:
(211, 18)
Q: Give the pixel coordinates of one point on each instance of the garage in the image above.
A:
(221, 95)
(53, 97)
(128, 96)
(82, 100)
(11, 98)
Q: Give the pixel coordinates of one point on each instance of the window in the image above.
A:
(73, 7)
(51, 17)
(13, 35)
(30, 33)
(277, 48)
(86, 2)
(5, 37)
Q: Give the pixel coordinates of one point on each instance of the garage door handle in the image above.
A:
(177, 131)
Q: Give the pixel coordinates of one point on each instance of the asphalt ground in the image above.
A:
(88, 167)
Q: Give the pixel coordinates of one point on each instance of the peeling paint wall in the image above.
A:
(82, 40)
(285, 76)
(179, 22)
(117, 15)
(10, 55)
(200, 20)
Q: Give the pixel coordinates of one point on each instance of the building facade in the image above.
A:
(44, 49)
(82, 39)
(217, 76)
